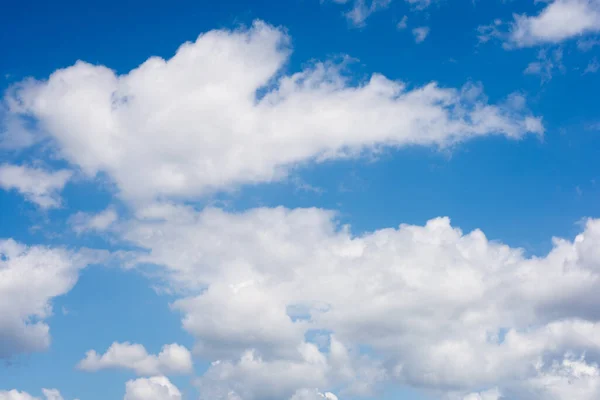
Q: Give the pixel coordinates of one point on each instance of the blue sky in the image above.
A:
(289, 171)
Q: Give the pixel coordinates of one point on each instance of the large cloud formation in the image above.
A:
(289, 293)
(29, 278)
(222, 112)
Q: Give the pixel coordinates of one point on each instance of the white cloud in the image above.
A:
(307, 394)
(15, 395)
(52, 394)
(49, 394)
(155, 388)
(29, 278)
(592, 67)
(362, 9)
(165, 128)
(100, 222)
(403, 23)
(420, 33)
(36, 185)
(173, 359)
(436, 308)
(546, 64)
(570, 378)
(560, 20)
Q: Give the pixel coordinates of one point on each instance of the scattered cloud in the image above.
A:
(361, 10)
(420, 33)
(84, 222)
(592, 67)
(173, 359)
(36, 185)
(29, 278)
(164, 129)
(49, 394)
(558, 21)
(403, 24)
(546, 65)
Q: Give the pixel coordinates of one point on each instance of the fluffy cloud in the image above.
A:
(165, 129)
(292, 293)
(52, 394)
(173, 359)
(571, 378)
(49, 394)
(558, 21)
(15, 395)
(36, 185)
(155, 388)
(29, 278)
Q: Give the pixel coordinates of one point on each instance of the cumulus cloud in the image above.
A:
(558, 21)
(253, 377)
(29, 278)
(173, 359)
(15, 395)
(36, 185)
(165, 129)
(155, 388)
(571, 378)
(291, 293)
(49, 394)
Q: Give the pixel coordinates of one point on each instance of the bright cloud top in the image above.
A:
(49, 394)
(439, 308)
(35, 184)
(173, 359)
(193, 124)
(29, 278)
(155, 388)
